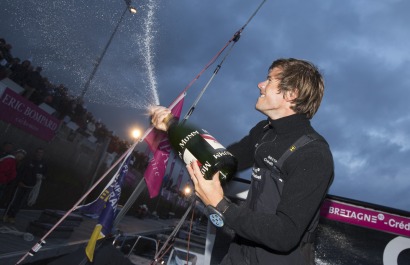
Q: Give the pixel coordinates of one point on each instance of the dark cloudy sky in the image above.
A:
(361, 47)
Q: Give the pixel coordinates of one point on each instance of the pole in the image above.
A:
(101, 158)
(137, 191)
(87, 84)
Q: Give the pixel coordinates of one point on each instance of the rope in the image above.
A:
(233, 40)
(15, 232)
(165, 248)
(189, 235)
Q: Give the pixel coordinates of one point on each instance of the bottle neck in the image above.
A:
(170, 121)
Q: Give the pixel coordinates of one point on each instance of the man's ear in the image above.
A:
(292, 95)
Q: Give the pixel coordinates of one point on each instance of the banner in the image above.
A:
(365, 217)
(159, 145)
(358, 233)
(27, 116)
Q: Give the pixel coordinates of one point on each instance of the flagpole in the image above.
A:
(135, 194)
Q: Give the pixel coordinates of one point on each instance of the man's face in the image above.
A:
(39, 154)
(8, 148)
(271, 102)
(19, 156)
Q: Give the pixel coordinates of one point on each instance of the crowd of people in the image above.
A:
(21, 173)
(21, 176)
(38, 89)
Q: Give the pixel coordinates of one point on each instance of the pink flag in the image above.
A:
(159, 145)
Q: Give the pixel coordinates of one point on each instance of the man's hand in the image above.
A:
(209, 191)
(158, 114)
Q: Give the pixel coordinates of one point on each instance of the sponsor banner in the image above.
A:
(367, 217)
(27, 116)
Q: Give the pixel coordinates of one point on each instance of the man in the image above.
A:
(8, 168)
(292, 170)
(32, 173)
(6, 149)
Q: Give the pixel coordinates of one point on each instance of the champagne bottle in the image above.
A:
(193, 143)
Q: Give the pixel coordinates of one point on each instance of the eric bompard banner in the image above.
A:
(26, 115)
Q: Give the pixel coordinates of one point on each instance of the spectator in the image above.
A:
(7, 53)
(30, 178)
(4, 71)
(5, 49)
(19, 156)
(20, 71)
(6, 149)
(36, 84)
(7, 171)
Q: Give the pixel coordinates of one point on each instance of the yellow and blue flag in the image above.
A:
(106, 207)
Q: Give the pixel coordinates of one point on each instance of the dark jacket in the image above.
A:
(271, 233)
(30, 170)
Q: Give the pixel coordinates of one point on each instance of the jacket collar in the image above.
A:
(288, 124)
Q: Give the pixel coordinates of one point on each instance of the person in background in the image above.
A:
(19, 156)
(6, 149)
(33, 172)
(8, 168)
(4, 71)
(292, 170)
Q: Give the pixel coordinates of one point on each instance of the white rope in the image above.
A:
(14, 231)
(32, 198)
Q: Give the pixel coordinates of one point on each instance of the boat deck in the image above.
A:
(13, 246)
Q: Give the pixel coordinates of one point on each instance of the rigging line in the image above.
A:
(189, 236)
(254, 14)
(171, 237)
(234, 38)
(193, 106)
(206, 66)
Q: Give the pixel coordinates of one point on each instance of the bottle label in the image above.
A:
(188, 157)
(187, 138)
(212, 141)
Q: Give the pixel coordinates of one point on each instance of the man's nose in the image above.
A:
(262, 84)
